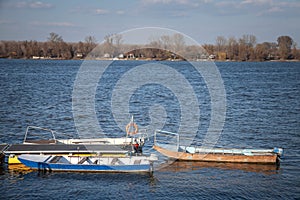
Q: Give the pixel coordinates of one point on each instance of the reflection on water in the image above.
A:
(168, 166)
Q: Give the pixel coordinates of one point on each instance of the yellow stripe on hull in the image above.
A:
(13, 160)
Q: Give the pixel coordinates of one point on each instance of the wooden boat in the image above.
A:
(89, 163)
(184, 153)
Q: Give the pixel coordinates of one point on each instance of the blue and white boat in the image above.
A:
(99, 163)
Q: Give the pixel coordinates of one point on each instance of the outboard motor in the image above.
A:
(278, 151)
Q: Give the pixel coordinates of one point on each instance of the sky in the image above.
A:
(202, 20)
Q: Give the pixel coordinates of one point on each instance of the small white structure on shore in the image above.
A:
(106, 55)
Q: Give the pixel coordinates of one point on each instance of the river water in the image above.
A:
(262, 111)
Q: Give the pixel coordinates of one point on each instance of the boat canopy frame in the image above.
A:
(156, 132)
(39, 128)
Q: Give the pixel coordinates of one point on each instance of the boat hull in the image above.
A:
(45, 166)
(216, 157)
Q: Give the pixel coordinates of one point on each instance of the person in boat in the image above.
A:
(136, 146)
(140, 148)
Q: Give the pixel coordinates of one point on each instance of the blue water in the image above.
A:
(262, 111)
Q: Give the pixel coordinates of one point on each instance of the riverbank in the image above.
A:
(152, 59)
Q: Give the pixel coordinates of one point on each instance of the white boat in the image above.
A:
(132, 142)
(132, 134)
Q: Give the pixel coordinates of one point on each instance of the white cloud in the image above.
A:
(270, 11)
(180, 14)
(120, 12)
(295, 4)
(32, 4)
(192, 3)
(256, 7)
(64, 24)
(157, 1)
(39, 4)
(271, 3)
(275, 9)
(101, 11)
(57, 24)
(257, 2)
(3, 21)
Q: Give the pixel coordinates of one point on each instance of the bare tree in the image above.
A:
(89, 45)
(210, 49)
(166, 41)
(246, 44)
(179, 43)
(54, 46)
(118, 43)
(295, 51)
(54, 37)
(90, 40)
(232, 48)
(108, 45)
(117, 38)
(284, 43)
(220, 43)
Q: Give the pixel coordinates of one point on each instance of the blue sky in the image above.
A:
(203, 20)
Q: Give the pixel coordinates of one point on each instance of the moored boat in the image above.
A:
(89, 163)
(188, 153)
(132, 143)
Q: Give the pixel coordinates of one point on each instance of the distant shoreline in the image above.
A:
(167, 47)
(148, 59)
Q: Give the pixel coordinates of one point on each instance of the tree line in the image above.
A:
(247, 49)
(165, 47)
(55, 48)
